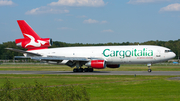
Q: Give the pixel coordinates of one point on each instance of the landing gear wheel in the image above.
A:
(149, 67)
(149, 70)
(81, 70)
(90, 69)
(75, 70)
(86, 70)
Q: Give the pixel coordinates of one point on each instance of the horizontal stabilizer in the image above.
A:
(22, 51)
(21, 57)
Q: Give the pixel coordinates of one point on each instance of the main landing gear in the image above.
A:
(83, 70)
(149, 66)
(79, 69)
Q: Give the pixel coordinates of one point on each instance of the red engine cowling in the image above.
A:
(113, 65)
(34, 44)
(97, 64)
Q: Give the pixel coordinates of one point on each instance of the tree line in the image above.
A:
(174, 45)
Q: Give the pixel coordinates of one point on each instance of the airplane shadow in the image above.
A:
(82, 72)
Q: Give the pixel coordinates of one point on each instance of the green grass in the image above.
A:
(40, 92)
(103, 87)
(34, 67)
(109, 87)
(47, 67)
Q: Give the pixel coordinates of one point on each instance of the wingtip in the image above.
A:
(9, 48)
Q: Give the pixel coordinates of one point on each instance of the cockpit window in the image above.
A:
(166, 51)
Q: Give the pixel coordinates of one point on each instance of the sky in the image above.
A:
(92, 21)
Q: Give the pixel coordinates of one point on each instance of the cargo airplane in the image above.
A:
(98, 57)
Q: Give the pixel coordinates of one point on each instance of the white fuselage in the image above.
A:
(131, 54)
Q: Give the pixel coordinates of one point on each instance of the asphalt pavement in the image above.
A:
(95, 72)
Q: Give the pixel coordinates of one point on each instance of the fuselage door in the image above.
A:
(158, 55)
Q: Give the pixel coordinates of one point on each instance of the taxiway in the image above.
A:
(95, 72)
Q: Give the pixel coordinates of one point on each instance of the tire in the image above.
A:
(149, 70)
(75, 70)
(90, 69)
(81, 70)
(86, 70)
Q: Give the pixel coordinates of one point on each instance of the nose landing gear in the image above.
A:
(149, 70)
(149, 66)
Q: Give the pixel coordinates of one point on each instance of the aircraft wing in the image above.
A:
(70, 61)
(60, 58)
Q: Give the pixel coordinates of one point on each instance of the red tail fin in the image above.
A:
(26, 29)
(31, 39)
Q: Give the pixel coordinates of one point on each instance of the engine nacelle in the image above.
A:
(113, 65)
(34, 44)
(97, 64)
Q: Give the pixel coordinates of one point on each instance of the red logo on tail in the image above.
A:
(33, 43)
(32, 39)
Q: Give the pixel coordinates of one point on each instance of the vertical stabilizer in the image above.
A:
(31, 40)
(27, 30)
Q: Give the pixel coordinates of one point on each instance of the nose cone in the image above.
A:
(170, 55)
(173, 55)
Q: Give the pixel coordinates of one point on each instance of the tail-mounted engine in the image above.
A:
(31, 43)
